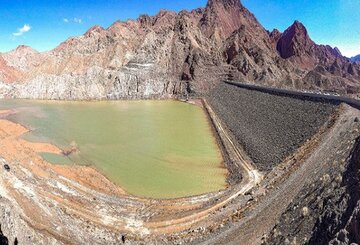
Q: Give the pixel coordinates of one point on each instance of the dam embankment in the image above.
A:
(269, 126)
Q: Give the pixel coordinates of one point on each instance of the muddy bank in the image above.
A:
(15, 149)
(269, 127)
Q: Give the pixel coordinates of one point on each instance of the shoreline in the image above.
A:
(11, 133)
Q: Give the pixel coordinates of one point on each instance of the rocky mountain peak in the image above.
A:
(337, 51)
(222, 17)
(145, 20)
(295, 41)
(94, 29)
(23, 49)
(164, 19)
(298, 25)
(275, 35)
(227, 4)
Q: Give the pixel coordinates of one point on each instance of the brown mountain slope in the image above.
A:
(325, 66)
(172, 54)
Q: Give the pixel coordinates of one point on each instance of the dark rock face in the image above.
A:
(294, 41)
(3, 239)
(7, 167)
(339, 221)
(269, 127)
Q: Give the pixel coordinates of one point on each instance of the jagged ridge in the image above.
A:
(173, 54)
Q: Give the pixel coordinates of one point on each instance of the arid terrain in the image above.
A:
(293, 161)
(44, 203)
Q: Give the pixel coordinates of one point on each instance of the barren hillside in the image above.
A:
(175, 54)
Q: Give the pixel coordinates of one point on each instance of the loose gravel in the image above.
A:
(269, 127)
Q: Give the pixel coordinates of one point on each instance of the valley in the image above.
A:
(190, 127)
(211, 218)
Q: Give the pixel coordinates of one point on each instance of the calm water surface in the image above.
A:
(159, 149)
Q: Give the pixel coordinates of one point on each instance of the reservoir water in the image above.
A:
(157, 149)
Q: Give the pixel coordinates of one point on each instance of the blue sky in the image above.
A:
(43, 24)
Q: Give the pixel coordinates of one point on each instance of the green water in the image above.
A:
(159, 149)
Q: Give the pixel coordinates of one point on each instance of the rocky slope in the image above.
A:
(174, 54)
(327, 210)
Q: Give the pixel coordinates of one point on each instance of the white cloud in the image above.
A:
(73, 20)
(22, 30)
(77, 20)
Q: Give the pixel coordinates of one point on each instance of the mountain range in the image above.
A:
(355, 58)
(175, 54)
